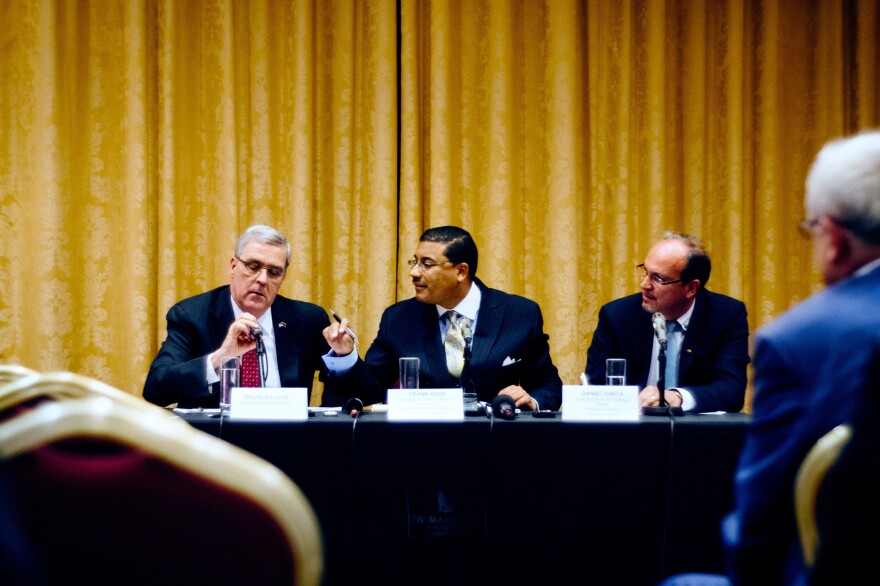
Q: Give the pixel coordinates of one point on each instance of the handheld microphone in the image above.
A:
(659, 321)
(504, 407)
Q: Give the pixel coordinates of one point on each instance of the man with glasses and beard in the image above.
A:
(707, 333)
(222, 322)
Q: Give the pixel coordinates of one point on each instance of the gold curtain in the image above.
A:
(567, 136)
(138, 138)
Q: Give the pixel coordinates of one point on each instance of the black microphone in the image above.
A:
(659, 321)
(504, 407)
(353, 404)
(257, 334)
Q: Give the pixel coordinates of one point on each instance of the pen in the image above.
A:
(347, 330)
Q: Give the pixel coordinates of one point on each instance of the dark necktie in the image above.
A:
(250, 369)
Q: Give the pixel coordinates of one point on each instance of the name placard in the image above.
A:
(600, 403)
(276, 404)
(425, 405)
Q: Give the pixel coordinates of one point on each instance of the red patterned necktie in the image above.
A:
(250, 369)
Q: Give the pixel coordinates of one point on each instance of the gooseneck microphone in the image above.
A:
(263, 360)
(257, 334)
(659, 321)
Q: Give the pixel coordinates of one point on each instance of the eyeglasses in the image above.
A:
(253, 268)
(655, 278)
(805, 227)
(426, 264)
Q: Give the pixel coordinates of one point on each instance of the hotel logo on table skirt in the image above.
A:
(435, 512)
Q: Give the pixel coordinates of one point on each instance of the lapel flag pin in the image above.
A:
(282, 324)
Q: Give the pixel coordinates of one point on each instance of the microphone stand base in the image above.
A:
(663, 411)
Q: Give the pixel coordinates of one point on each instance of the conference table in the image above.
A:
(528, 501)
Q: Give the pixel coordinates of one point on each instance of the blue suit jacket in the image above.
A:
(810, 365)
(714, 354)
(508, 327)
(198, 325)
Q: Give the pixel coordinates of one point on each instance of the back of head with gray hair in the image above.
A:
(266, 235)
(844, 183)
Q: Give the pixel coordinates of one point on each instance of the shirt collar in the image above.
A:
(468, 307)
(685, 320)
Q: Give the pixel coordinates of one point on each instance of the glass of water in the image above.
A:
(409, 372)
(615, 372)
(230, 373)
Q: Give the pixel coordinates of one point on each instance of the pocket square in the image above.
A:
(508, 361)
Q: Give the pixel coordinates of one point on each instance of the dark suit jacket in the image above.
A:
(810, 365)
(508, 326)
(198, 325)
(714, 354)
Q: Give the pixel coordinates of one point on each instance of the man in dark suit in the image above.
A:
(503, 347)
(811, 363)
(712, 330)
(219, 323)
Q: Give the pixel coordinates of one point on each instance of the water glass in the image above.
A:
(615, 372)
(409, 373)
(230, 376)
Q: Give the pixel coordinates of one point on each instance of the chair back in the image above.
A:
(28, 391)
(13, 372)
(811, 474)
(107, 493)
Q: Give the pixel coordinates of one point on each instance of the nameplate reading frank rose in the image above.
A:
(276, 404)
(425, 405)
(600, 403)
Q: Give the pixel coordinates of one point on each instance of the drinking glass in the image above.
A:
(409, 373)
(615, 372)
(230, 375)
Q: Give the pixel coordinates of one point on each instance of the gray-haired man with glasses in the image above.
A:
(709, 331)
(223, 322)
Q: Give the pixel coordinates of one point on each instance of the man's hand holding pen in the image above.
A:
(339, 336)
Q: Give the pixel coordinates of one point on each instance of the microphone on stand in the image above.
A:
(262, 361)
(257, 334)
(471, 405)
(659, 322)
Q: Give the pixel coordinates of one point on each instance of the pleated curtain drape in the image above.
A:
(138, 138)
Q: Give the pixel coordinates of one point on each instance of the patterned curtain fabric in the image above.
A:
(139, 138)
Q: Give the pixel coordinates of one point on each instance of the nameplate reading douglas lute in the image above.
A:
(276, 404)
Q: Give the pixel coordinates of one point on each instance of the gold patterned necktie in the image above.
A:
(454, 342)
